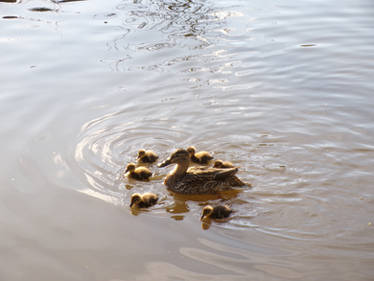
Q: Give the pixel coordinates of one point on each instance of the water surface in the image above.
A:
(281, 89)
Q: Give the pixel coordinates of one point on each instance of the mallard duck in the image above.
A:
(197, 180)
(201, 157)
(222, 164)
(147, 156)
(216, 212)
(144, 200)
(138, 173)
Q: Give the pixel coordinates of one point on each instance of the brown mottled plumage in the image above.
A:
(144, 200)
(147, 156)
(217, 212)
(201, 157)
(138, 173)
(222, 164)
(197, 180)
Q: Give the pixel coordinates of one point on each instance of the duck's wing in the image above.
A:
(209, 172)
(196, 184)
(225, 176)
(225, 173)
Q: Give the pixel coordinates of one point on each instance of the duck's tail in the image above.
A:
(235, 181)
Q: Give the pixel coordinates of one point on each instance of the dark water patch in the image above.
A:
(42, 9)
(66, 1)
(308, 45)
(10, 17)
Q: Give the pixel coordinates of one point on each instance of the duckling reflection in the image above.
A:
(138, 173)
(201, 157)
(180, 205)
(198, 180)
(222, 164)
(145, 200)
(147, 156)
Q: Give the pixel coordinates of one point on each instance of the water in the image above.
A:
(281, 89)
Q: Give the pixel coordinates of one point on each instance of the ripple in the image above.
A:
(106, 145)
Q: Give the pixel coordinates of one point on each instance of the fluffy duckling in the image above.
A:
(147, 156)
(138, 173)
(217, 212)
(144, 200)
(223, 164)
(201, 157)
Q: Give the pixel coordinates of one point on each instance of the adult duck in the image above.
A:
(197, 180)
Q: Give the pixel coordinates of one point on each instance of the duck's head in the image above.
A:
(130, 167)
(141, 153)
(135, 199)
(178, 156)
(218, 164)
(207, 211)
(191, 150)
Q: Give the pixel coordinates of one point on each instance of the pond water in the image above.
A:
(283, 89)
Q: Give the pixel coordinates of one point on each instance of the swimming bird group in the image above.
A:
(185, 179)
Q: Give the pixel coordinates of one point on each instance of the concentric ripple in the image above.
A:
(107, 144)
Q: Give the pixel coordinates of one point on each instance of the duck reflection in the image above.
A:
(180, 202)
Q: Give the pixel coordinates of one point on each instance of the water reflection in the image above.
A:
(168, 25)
(246, 85)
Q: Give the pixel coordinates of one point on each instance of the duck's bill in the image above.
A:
(165, 163)
(132, 203)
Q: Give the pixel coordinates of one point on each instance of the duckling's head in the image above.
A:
(218, 164)
(136, 198)
(207, 211)
(191, 150)
(130, 167)
(141, 153)
(178, 156)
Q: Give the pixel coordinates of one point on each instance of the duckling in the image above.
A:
(138, 173)
(144, 200)
(147, 156)
(217, 212)
(223, 164)
(197, 180)
(201, 157)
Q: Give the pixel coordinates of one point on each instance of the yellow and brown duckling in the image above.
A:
(147, 156)
(198, 180)
(144, 200)
(201, 157)
(216, 212)
(138, 173)
(222, 164)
